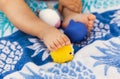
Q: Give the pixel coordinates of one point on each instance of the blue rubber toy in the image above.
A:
(76, 31)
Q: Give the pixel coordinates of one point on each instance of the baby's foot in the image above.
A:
(87, 19)
(54, 39)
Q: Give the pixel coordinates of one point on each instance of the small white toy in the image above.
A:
(50, 16)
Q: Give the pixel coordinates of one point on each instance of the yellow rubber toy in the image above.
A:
(63, 54)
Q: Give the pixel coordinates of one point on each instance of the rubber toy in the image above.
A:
(50, 16)
(76, 31)
(62, 55)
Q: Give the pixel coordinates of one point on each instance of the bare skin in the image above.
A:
(24, 19)
(87, 19)
(71, 9)
(73, 5)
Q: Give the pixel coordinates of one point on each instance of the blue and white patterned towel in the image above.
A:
(23, 56)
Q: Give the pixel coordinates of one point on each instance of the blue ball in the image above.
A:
(76, 31)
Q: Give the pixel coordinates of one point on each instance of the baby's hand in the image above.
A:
(54, 39)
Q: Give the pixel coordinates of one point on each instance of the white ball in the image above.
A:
(50, 16)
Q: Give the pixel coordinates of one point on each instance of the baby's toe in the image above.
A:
(52, 47)
(91, 17)
(90, 25)
(66, 40)
(58, 44)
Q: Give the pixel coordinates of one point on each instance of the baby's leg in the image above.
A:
(52, 37)
(29, 23)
